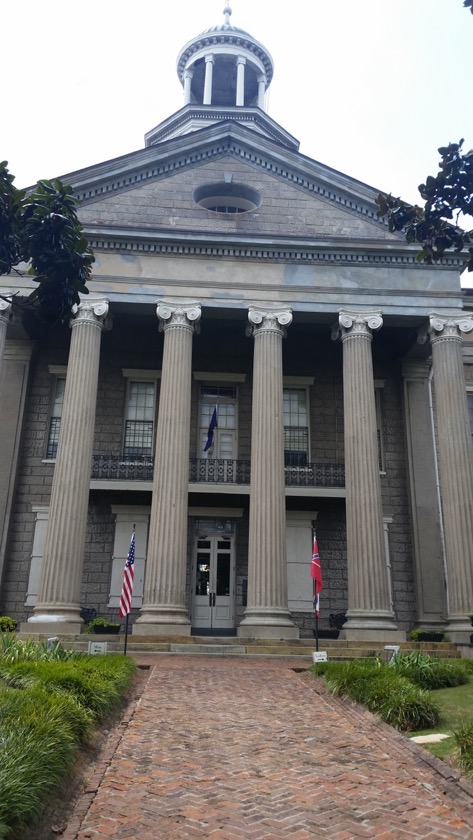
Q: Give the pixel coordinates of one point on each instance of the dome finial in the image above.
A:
(227, 11)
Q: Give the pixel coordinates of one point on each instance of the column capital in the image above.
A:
(445, 327)
(209, 58)
(92, 311)
(268, 319)
(240, 60)
(357, 323)
(172, 313)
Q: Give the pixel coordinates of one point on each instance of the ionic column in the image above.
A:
(267, 613)
(369, 609)
(164, 609)
(209, 66)
(188, 74)
(455, 466)
(261, 91)
(240, 85)
(58, 603)
(5, 313)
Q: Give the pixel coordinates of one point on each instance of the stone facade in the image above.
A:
(174, 231)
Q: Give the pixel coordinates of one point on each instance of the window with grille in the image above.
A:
(223, 400)
(55, 418)
(296, 427)
(139, 420)
(470, 409)
(378, 394)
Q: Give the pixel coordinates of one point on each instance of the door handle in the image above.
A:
(212, 597)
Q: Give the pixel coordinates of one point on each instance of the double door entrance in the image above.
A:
(213, 582)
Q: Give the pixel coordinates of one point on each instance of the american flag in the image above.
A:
(128, 577)
(316, 575)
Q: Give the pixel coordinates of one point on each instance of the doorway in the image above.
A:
(213, 578)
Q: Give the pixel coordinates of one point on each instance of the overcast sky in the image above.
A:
(369, 87)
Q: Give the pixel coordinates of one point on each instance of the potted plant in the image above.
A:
(426, 636)
(7, 624)
(102, 625)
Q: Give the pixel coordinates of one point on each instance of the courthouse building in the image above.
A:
(237, 279)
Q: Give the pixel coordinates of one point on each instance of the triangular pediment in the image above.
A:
(155, 189)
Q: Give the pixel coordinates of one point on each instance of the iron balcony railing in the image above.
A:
(111, 466)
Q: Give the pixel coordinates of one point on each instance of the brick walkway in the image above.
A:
(237, 748)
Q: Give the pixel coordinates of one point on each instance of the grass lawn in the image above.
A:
(456, 707)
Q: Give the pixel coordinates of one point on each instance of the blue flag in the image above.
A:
(212, 426)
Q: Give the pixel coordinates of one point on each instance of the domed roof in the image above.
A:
(225, 33)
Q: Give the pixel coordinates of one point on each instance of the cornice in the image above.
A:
(364, 253)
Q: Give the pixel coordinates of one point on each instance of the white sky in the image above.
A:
(369, 87)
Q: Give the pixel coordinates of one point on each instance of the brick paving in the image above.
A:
(237, 748)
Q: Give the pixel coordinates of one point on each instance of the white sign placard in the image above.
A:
(98, 648)
(319, 656)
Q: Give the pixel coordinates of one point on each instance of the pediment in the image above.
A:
(154, 189)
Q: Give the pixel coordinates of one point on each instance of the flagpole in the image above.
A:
(126, 633)
(314, 584)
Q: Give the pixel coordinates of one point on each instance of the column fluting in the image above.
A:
(369, 607)
(164, 609)
(455, 464)
(61, 573)
(267, 613)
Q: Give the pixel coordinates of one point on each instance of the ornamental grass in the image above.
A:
(50, 702)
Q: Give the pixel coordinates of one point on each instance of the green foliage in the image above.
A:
(383, 691)
(42, 228)
(7, 624)
(430, 673)
(25, 650)
(47, 709)
(101, 622)
(464, 741)
(448, 196)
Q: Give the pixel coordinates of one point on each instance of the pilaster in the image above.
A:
(164, 609)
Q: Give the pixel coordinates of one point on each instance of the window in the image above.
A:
(223, 399)
(55, 418)
(470, 409)
(139, 420)
(378, 395)
(296, 427)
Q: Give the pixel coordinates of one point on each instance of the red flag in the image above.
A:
(128, 578)
(316, 575)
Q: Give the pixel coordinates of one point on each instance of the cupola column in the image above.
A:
(455, 465)
(58, 605)
(188, 74)
(164, 609)
(240, 87)
(267, 614)
(209, 66)
(369, 609)
(261, 91)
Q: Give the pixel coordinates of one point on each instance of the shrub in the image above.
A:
(93, 686)
(7, 624)
(24, 650)
(429, 672)
(101, 624)
(464, 741)
(383, 690)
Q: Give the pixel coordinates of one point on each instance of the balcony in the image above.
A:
(111, 466)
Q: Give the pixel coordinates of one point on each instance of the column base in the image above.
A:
(371, 625)
(169, 620)
(459, 629)
(51, 628)
(267, 624)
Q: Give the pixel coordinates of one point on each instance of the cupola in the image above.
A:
(225, 74)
